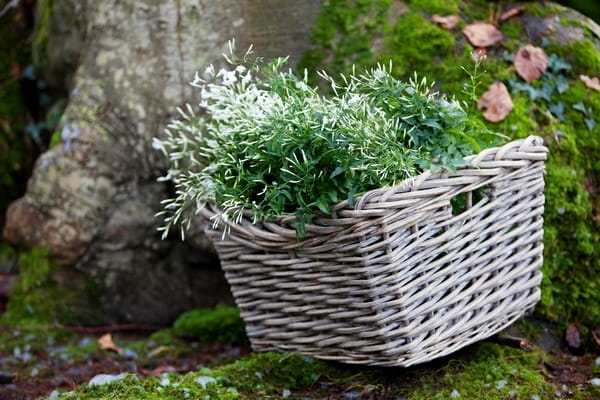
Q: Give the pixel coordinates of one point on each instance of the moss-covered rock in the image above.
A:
(558, 107)
(222, 323)
(46, 293)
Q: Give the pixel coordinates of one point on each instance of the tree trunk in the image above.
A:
(92, 198)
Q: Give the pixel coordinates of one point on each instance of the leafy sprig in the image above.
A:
(271, 145)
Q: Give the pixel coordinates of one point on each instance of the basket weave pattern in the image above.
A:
(398, 278)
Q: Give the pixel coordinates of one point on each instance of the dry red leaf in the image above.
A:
(106, 343)
(511, 13)
(591, 83)
(530, 62)
(482, 34)
(572, 336)
(447, 22)
(496, 101)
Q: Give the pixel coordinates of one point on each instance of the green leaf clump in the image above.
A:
(223, 324)
(268, 144)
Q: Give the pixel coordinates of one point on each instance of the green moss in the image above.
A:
(488, 372)
(36, 297)
(538, 9)
(40, 36)
(442, 7)
(222, 324)
(584, 56)
(414, 28)
(265, 375)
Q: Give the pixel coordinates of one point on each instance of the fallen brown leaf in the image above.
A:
(447, 22)
(511, 13)
(530, 62)
(496, 101)
(590, 83)
(106, 343)
(572, 336)
(482, 34)
(595, 332)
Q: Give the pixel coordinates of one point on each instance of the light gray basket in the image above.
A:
(399, 278)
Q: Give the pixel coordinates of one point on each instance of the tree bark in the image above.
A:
(92, 198)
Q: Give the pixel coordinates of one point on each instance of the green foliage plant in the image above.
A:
(271, 145)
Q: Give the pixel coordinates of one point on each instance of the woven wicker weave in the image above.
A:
(397, 279)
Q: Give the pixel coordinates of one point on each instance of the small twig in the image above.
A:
(512, 341)
(88, 329)
(11, 4)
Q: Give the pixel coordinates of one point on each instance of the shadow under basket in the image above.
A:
(408, 274)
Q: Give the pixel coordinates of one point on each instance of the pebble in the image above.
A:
(164, 381)
(129, 354)
(595, 381)
(205, 380)
(455, 394)
(103, 379)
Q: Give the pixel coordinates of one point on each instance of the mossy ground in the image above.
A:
(167, 365)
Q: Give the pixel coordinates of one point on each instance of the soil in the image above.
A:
(52, 372)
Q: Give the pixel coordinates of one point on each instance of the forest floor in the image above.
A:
(37, 363)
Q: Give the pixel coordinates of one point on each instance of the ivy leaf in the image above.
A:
(580, 107)
(591, 123)
(562, 84)
(558, 110)
(546, 91)
(530, 62)
(557, 64)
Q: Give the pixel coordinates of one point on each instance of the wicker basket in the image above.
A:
(400, 278)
